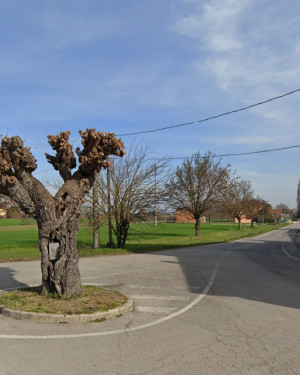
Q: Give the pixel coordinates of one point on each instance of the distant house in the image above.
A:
(276, 211)
(184, 216)
(257, 211)
(2, 213)
(280, 217)
(244, 220)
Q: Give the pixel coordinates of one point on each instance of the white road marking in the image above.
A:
(142, 287)
(159, 287)
(137, 328)
(155, 310)
(285, 251)
(101, 276)
(161, 298)
(124, 330)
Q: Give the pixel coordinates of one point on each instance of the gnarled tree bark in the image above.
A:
(57, 217)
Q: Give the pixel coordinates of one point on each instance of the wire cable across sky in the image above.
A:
(214, 156)
(195, 122)
(211, 117)
(237, 154)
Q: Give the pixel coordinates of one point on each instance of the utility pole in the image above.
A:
(110, 243)
(155, 198)
(96, 233)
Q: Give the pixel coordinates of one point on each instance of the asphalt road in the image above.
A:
(218, 309)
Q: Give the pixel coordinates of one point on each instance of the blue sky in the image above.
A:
(133, 65)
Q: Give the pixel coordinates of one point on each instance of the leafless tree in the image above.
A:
(57, 217)
(198, 185)
(256, 209)
(284, 208)
(238, 200)
(135, 184)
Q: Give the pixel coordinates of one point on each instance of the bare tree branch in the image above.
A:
(198, 185)
(238, 200)
(12, 188)
(64, 160)
(133, 189)
(97, 146)
(17, 156)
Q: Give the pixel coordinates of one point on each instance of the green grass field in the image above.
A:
(11, 222)
(20, 242)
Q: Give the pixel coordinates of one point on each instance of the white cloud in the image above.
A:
(246, 41)
(250, 50)
(214, 25)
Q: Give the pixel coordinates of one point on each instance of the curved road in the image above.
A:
(218, 309)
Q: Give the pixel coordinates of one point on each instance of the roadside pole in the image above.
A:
(110, 243)
(96, 232)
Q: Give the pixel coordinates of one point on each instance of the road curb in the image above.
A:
(55, 318)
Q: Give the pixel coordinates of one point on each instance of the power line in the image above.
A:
(211, 117)
(194, 122)
(236, 154)
(214, 156)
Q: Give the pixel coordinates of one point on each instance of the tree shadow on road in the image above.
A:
(8, 280)
(264, 269)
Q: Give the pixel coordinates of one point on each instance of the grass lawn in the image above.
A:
(11, 222)
(92, 299)
(20, 242)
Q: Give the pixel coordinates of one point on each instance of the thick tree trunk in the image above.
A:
(197, 227)
(239, 222)
(59, 258)
(58, 229)
(57, 217)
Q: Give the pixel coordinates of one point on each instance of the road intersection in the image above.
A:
(218, 309)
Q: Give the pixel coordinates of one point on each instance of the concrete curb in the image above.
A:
(55, 318)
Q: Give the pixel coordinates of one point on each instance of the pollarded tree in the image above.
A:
(57, 217)
(198, 185)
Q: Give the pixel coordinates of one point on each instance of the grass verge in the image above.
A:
(92, 299)
(20, 242)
